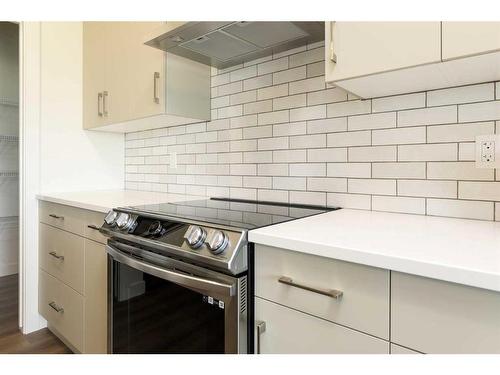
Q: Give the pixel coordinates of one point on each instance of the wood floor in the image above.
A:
(12, 341)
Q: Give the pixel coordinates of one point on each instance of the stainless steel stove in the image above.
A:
(179, 278)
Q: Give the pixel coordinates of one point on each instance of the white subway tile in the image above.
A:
(308, 113)
(479, 111)
(272, 66)
(372, 186)
(276, 143)
(343, 139)
(291, 128)
(220, 79)
(424, 188)
(232, 111)
(230, 88)
(328, 125)
(463, 94)
(289, 52)
(373, 153)
(466, 151)
(196, 128)
(398, 170)
(221, 101)
(334, 185)
(206, 137)
(399, 136)
(307, 57)
(350, 108)
(272, 195)
(399, 204)
(460, 208)
(230, 69)
(206, 158)
(289, 183)
(272, 92)
(273, 117)
(433, 152)
(244, 121)
(258, 132)
(243, 97)
(308, 169)
(355, 201)
(372, 121)
(232, 157)
(241, 193)
(400, 102)
(258, 82)
(327, 155)
(258, 107)
(229, 135)
(358, 170)
(187, 138)
(258, 157)
(217, 191)
(497, 204)
(308, 141)
(459, 132)
(243, 169)
(240, 74)
(308, 197)
(290, 156)
(272, 169)
(458, 171)
(428, 116)
(485, 191)
(257, 61)
(316, 69)
(217, 147)
(244, 145)
(331, 95)
(292, 101)
(307, 85)
(258, 182)
(218, 124)
(289, 75)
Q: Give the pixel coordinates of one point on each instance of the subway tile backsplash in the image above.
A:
(279, 133)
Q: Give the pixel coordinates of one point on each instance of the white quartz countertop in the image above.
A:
(456, 250)
(105, 200)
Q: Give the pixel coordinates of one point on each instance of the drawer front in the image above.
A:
(68, 218)
(94, 220)
(61, 254)
(396, 349)
(364, 304)
(292, 332)
(68, 322)
(434, 316)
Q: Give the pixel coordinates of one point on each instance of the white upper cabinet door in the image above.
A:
(365, 48)
(461, 39)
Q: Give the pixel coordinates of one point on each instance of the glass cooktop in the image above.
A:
(238, 213)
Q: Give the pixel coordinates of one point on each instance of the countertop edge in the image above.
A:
(469, 277)
(73, 203)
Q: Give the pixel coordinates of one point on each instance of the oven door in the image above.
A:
(162, 305)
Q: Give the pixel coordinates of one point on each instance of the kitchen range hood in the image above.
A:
(225, 44)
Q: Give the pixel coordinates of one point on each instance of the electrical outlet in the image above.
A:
(488, 151)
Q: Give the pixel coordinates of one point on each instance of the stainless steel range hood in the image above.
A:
(225, 44)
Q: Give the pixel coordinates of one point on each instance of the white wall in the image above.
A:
(71, 158)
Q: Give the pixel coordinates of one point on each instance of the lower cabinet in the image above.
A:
(73, 278)
(290, 331)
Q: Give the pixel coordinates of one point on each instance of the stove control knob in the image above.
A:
(110, 218)
(124, 221)
(195, 236)
(155, 228)
(216, 241)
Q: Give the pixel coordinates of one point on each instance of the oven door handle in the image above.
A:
(189, 281)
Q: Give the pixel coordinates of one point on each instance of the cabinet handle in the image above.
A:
(333, 55)
(59, 309)
(105, 103)
(56, 216)
(54, 254)
(156, 86)
(329, 293)
(99, 104)
(94, 227)
(261, 328)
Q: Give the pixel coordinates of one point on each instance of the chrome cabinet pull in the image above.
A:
(56, 216)
(329, 293)
(333, 55)
(156, 86)
(261, 328)
(99, 104)
(94, 227)
(105, 103)
(59, 309)
(54, 254)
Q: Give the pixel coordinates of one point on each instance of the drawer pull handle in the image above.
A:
(94, 227)
(329, 293)
(56, 216)
(261, 328)
(59, 309)
(54, 254)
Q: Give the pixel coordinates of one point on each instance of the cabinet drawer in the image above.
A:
(364, 304)
(292, 332)
(434, 316)
(69, 321)
(67, 259)
(65, 217)
(94, 220)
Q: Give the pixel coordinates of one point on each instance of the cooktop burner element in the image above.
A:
(209, 232)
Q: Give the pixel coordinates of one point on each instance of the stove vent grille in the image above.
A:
(243, 295)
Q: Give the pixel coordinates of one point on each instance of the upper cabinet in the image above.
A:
(374, 59)
(362, 48)
(461, 39)
(128, 86)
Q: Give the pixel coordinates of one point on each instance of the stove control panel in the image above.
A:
(216, 241)
(195, 236)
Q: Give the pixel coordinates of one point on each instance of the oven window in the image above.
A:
(151, 315)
